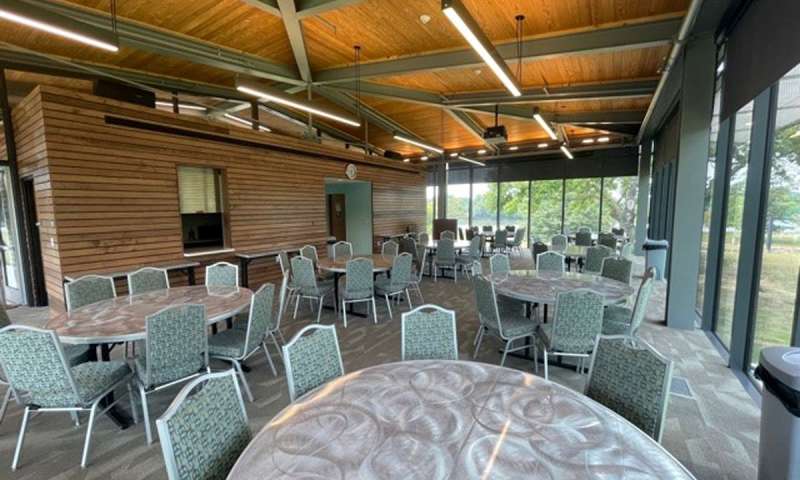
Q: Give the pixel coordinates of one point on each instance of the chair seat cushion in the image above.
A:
(566, 345)
(448, 263)
(227, 343)
(516, 326)
(385, 285)
(467, 259)
(93, 378)
(616, 320)
(76, 354)
(509, 307)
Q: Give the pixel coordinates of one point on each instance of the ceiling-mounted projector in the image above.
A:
(496, 135)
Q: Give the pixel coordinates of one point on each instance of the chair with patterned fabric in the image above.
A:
(235, 345)
(310, 252)
(408, 245)
(618, 269)
(516, 242)
(499, 263)
(288, 287)
(626, 251)
(312, 360)
(398, 281)
(583, 239)
(631, 378)
(576, 323)
(585, 229)
(359, 286)
(342, 250)
(35, 364)
(147, 279)
(205, 429)
(222, 274)
(621, 320)
(550, 262)
(416, 277)
(389, 248)
(558, 243)
(465, 261)
(308, 286)
(595, 257)
(429, 333)
(536, 249)
(447, 234)
(423, 238)
(176, 350)
(508, 325)
(607, 239)
(445, 259)
(500, 241)
(88, 289)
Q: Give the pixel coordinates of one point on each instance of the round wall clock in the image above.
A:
(351, 171)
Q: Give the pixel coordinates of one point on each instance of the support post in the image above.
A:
(643, 200)
(254, 115)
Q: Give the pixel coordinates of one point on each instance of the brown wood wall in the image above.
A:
(107, 195)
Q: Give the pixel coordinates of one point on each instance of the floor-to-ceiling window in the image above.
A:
(733, 222)
(8, 233)
(514, 205)
(484, 197)
(545, 209)
(619, 204)
(780, 256)
(581, 204)
(430, 206)
(709, 194)
(458, 196)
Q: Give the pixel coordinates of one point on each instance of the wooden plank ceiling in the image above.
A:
(385, 30)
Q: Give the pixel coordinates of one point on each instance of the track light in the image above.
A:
(50, 22)
(417, 143)
(472, 33)
(543, 123)
(271, 95)
(475, 162)
(566, 152)
(245, 122)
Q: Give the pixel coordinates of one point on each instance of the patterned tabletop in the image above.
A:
(544, 287)
(572, 251)
(457, 244)
(450, 420)
(380, 263)
(122, 319)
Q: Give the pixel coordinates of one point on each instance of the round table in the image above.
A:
(543, 287)
(122, 319)
(450, 420)
(380, 263)
(457, 244)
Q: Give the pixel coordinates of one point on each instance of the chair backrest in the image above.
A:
(222, 274)
(147, 279)
(617, 268)
(305, 278)
(475, 247)
(205, 429)
(627, 250)
(607, 239)
(642, 299)
(595, 256)
(577, 321)
(447, 234)
(342, 250)
(584, 239)
(261, 319)
(559, 242)
(312, 360)
(176, 344)
(538, 247)
(283, 261)
(631, 378)
(499, 263)
(408, 245)
(429, 333)
(445, 251)
(511, 228)
(518, 236)
(310, 252)
(500, 238)
(618, 231)
(486, 300)
(359, 281)
(477, 268)
(401, 271)
(87, 290)
(389, 248)
(423, 238)
(4, 320)
(550, 262)
(33, 362)
(585, 229)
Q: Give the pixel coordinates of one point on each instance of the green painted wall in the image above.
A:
(358, 206)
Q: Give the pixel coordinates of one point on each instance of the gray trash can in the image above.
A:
(779, 447)
(655, 255)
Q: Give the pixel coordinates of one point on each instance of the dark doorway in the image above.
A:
(337, 216)
(37, 292)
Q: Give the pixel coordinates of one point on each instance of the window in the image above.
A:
(709, 194)
(514, 206)
(484, 204)
(458, 196)
(200, 193)
(780, 256)
(733, 222)
(430, 206)
(619, 204)
(581, 204)
(545, 209)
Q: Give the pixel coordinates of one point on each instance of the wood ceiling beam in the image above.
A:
(630, 36)
(295, 33)
(155, 40)
(308, 8)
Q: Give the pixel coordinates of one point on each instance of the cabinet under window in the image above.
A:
(200, 192)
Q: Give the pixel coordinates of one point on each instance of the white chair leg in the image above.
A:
(238, 367)
(344, 313)
(269, 359)
(319, 309)
(87, 442)
(478, 340)
(546, 373)
(133, 403)
(408, 298)
(455, 274)
(388, 305)
(20, 438)
(296, 306)
(4, 405)
(535, 356)
(75, 419)
(505, 353)
(374, 312)
(435, 271)
(145, 415)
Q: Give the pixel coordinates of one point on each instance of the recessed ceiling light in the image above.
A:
(566, 152)
(454, 155)
(406, 160)
(587, 141)
(477, 71)
(603, 140)
(424, 158)
(513, 148)
(481, 151)
(424, 19)
(543, 145)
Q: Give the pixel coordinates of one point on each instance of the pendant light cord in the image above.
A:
(519, 19)
(114, 16)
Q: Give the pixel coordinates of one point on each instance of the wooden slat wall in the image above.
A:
(107, 195)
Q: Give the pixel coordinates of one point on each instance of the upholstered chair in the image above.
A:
(621, 320)
(558, 243)
(583, 239)
(607, 239)
(429, 333)
(147, 279)
(416, 278)
(595, 257)
(398, 281)
(87, 290)
(308, 286)
(499, 263)
(447, 234)
(500, 241)
(550, 262)
(617, 269)
(389, 248)
(536, 249)
(222, 274)
(445, 259)
(342, 250)
(312, 358)
(359, 286)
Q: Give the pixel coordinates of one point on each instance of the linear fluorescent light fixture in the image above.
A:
(566, 152)
(51, 22)
(419, 144)
(271, 95)
(472, 33)
(543, 123)
(245, 122)
(183, 106)
(469, 160)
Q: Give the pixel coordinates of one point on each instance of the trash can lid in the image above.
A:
(783, 363)
(655, 244)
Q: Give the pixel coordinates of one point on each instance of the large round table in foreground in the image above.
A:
(543, 287)
(450, 420)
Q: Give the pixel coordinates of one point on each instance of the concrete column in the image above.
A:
(643, 202)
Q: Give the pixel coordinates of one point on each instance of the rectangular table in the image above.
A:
(245, 258)
(187, 267)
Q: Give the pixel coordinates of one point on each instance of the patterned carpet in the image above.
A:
(715, 433)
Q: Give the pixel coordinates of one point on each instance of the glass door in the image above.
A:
(11, 279)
